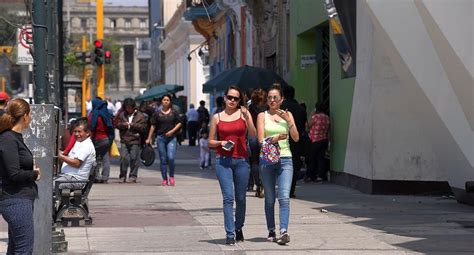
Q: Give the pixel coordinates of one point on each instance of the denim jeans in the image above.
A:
(18, 213)
(167, 152)
(280, 174)
(233, 176)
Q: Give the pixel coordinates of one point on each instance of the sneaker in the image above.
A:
(229, 241)
(172, 183)
(284, 238)
(164, 183)
(239, 235)
(123, 179)
(271, 236)
(133, 179)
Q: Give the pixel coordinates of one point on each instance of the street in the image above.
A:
(146, 218)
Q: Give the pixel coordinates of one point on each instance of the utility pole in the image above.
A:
(40, 74)
(100, 36)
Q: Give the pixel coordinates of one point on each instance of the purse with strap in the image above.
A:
(270, 152)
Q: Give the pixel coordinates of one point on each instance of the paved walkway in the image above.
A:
(146, 218)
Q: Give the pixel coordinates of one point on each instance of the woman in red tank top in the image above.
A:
(228, 134)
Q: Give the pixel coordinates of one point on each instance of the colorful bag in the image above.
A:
(269, 153)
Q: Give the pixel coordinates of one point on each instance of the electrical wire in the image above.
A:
(8, 22)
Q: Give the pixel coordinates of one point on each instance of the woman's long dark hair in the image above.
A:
(241, 95)
(16, 109)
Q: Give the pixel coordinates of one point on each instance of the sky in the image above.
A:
(127, 2)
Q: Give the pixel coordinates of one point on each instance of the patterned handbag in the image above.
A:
(269, 153)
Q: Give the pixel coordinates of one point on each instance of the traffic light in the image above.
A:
(99, 52)
(108, 54)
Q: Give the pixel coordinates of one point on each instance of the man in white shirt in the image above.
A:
(80, 160)
(192, 116)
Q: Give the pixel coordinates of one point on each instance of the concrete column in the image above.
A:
(122, 68)
(136, 70)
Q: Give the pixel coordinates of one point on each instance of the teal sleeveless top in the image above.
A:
(275, 128)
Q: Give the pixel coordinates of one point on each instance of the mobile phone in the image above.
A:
(228, 146)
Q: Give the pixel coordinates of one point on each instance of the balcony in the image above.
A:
(200, 9)
(143, 48)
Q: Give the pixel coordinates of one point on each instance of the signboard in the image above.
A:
(307, 60)
(25, 41)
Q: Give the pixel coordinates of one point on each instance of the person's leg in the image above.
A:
(202, 155)
(135, 150)
(297, 163)
(320, 151)
(206, 159)
(285, 174)
(106, 167)
(18, 213)
(241, 177)
(225, 176)
(124, 160)
(161, 142)
(192, 131)
(171, 154)
(267, 175)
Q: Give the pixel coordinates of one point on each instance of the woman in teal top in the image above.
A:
(277, 124)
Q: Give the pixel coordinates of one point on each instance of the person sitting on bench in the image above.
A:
(80, 160)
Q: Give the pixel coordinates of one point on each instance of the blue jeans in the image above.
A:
(167, 152)
(280, 174)
(233, 176)
(18, 213)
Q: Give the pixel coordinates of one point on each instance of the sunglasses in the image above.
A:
(273, 98)
(232, 98)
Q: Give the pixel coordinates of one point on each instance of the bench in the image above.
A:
(71, 205)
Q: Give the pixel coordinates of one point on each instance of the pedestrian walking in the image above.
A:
(19, 175)
(3, 102)
(319, 135)
(166, 123)
(204, 149)
(103, 133)
(258, 105)
(203, 112)
(79, 161)
(228, 134)
(275, 125)
(132, 125)
(297, 147)
(192, 117)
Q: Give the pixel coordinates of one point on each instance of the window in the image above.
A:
(84, 23)
(142, 24)
(113, 23)
(128, 23)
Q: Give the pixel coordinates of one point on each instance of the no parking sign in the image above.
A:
(24, 43)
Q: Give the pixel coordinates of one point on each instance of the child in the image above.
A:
(204, 148)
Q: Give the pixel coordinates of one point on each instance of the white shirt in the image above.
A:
(192, 115)
(118, 106)
(85, 152)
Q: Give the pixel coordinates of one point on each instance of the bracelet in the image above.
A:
(292, 125)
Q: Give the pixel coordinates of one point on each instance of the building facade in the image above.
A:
(404, 123)
(126, 26)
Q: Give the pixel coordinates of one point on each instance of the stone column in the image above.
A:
(136, 70)
(121, 69)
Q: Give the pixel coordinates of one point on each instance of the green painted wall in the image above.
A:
(305, 16)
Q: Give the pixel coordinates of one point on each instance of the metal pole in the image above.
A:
(40, 75)
(51, 53)
(85, 92)
(100, 36)
(60, 53)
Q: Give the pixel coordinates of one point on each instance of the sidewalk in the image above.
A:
(146, 218)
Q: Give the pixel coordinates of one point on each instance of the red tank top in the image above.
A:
(236, 131)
